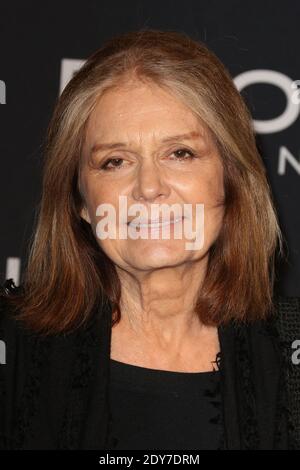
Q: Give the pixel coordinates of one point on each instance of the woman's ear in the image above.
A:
(85, 215)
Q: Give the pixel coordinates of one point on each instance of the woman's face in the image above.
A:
(150, 164)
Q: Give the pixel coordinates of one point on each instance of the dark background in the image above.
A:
(35, 37)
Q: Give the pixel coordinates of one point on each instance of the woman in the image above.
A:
(147, 341)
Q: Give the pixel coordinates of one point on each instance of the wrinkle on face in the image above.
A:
(141, 116)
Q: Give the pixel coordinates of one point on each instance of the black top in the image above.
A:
(164, 410)
(54, 391)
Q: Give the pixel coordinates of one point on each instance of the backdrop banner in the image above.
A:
(42, 44)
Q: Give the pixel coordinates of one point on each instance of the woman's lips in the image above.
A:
(155, 224)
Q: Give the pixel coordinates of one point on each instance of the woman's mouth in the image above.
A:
(155, 224)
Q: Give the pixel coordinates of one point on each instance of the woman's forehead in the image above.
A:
(105, 134)
(130, 106)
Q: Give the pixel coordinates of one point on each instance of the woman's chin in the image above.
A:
(150, 255)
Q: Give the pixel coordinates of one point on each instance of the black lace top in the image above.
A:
(164, 410)
(55, 390)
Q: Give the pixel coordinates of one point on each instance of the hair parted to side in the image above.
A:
(67, 273)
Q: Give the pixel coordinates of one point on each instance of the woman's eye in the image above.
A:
(184, 154)
(111, 164)
(116, 163)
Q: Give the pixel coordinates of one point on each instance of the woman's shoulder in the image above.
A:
(274, 336)
(287, 317)
(20, 348)
(18, 342)
(34, 370)
(287, 326)
(12, 331)
(287, 305)
(281, 326)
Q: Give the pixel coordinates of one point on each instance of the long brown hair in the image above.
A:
(67, 273)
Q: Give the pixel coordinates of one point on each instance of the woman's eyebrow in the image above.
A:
(110, 146)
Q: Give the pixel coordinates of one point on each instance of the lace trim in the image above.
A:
(249, 422)
(81, 376)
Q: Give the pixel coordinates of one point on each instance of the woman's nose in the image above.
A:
(149, 183)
